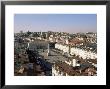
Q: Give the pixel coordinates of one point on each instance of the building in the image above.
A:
(81, 51)
(63, 69)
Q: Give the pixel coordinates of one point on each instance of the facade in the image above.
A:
(82, 53)
(62, 47)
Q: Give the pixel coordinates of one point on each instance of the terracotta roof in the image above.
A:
(73, 71)
(92, 60)
(75, 41)
(65, 68)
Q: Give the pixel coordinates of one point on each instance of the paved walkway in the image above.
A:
(54, 56)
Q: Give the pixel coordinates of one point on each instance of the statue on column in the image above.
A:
(48, 51)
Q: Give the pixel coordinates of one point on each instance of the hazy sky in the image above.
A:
(71, 23)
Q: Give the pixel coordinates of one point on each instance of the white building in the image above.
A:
(76, 51)
(83, 53)
(64, 48)
(56, 70)
(72, 62)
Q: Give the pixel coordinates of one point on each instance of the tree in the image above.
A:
(44, 35)
(28, 33)
(35, 35)
(21, 31)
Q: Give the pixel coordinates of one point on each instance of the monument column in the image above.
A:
(48, 52)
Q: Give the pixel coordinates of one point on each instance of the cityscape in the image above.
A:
(49, 45)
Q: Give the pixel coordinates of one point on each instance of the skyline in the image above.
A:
(71, 23)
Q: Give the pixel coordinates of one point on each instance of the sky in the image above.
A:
(71, 23)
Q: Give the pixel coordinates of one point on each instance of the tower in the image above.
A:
(40, 34)
(48, 51)
(28, 46)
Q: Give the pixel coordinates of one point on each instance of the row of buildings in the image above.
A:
(85, 53)
(61, 36)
